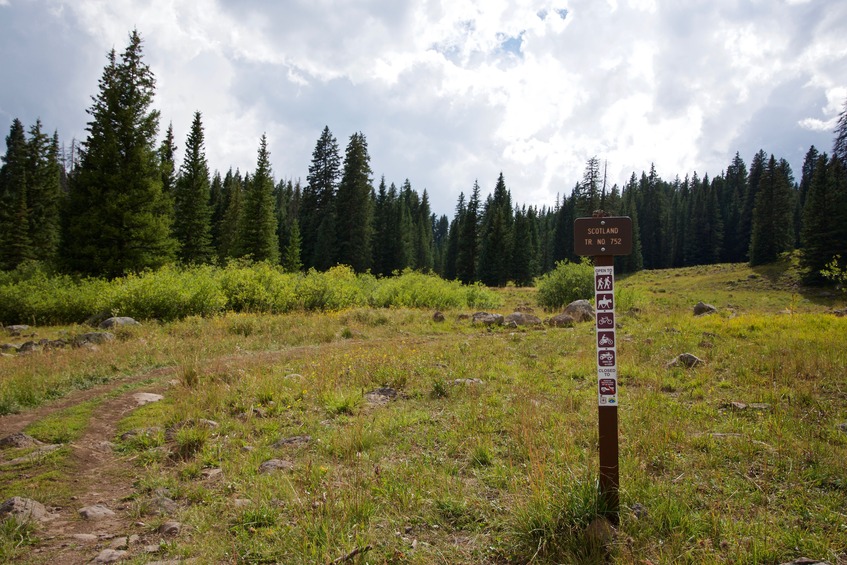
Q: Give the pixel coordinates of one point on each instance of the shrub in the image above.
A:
(564, 284)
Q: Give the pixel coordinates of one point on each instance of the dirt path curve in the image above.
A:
(100, 477)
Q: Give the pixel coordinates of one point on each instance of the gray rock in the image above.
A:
(242, 502)
(211, 473)
(438, 317)
(273, 465)
(143, 398)
(381, 395)
(523, 319)
(96, 338)
(486, 319)
(843, 427)
(85, 538)
(96, 512)
(161, 505)
(468, 382)
(16, 329)
(24, 510)
(29, 347)
(580, 311)
(292, 441)
(110, 556)
(686, 360)
(117, 321)
(806, 561)
(703, 309)
(9, 348)
(19, 439)
(562, 321)
(170, 528)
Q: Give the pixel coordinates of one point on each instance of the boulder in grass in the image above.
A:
(580, 311)
(93, 338)
(522, 319)
(703, 309)
(486, 319)
(438, 317)
(96, 512)
(273, 465)
(561, 321)
(19, 440)
(24, 510)
(16, 330)
(117, 321)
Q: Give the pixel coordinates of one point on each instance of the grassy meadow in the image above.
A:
(488, 451)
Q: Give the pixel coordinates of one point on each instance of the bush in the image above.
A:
(566, 283)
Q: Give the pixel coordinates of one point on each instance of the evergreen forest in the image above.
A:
(117, 202)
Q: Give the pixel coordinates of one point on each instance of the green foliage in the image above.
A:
(258, 230)
(566, 283)
(15, 535)
(836, 272)
(31, 295)
(192, 213)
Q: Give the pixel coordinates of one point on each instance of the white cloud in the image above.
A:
(452, 90)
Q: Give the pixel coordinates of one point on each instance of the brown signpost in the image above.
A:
(602, 237)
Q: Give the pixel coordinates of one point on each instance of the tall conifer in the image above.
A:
(118, 219)
(258, 230)
(191, 195)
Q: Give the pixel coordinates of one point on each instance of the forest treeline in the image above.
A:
(118, 203)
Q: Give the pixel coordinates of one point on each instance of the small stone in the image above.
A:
(152, 548)
(16, 329)
(468, 382)
(19, 439)
(117, 321)
(523, 319)
(806, 561)
(295, 440)
(9, 348)
(92, 338)
(686, 360)
(272, 465)
(242, 502)
(84, 538)
(142, 398)
(438, 317)
(842, 427)
(110, 556)
(170, 528)
(121, 542)
(760, 406)
(211, 473)
(486, 319)
(562, 321)
(96, 512)
(703, 309)
(24, 509)
(161, 505)
(639, 510)
(381, 395)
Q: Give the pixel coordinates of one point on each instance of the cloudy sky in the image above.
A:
(449, 91)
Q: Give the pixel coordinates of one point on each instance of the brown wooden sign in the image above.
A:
(603, 236)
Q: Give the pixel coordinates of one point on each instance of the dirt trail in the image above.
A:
(99, 477)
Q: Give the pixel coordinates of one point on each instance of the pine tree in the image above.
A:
(217, 203)
(15, 245)
(745, 230)
(496, 237)
(118, 219)
(468, 242)
(230, 227)
(772, 216)
(632, 262)
(354, 228)
(167, 162)
(291, 254)
(317, 210)
(735, 191)
(191, 195)
(451, 255)
(258, 232)
(422, 238)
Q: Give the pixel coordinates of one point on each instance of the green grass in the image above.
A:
(503, 470)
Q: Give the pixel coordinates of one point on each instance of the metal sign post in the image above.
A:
(603, 237)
